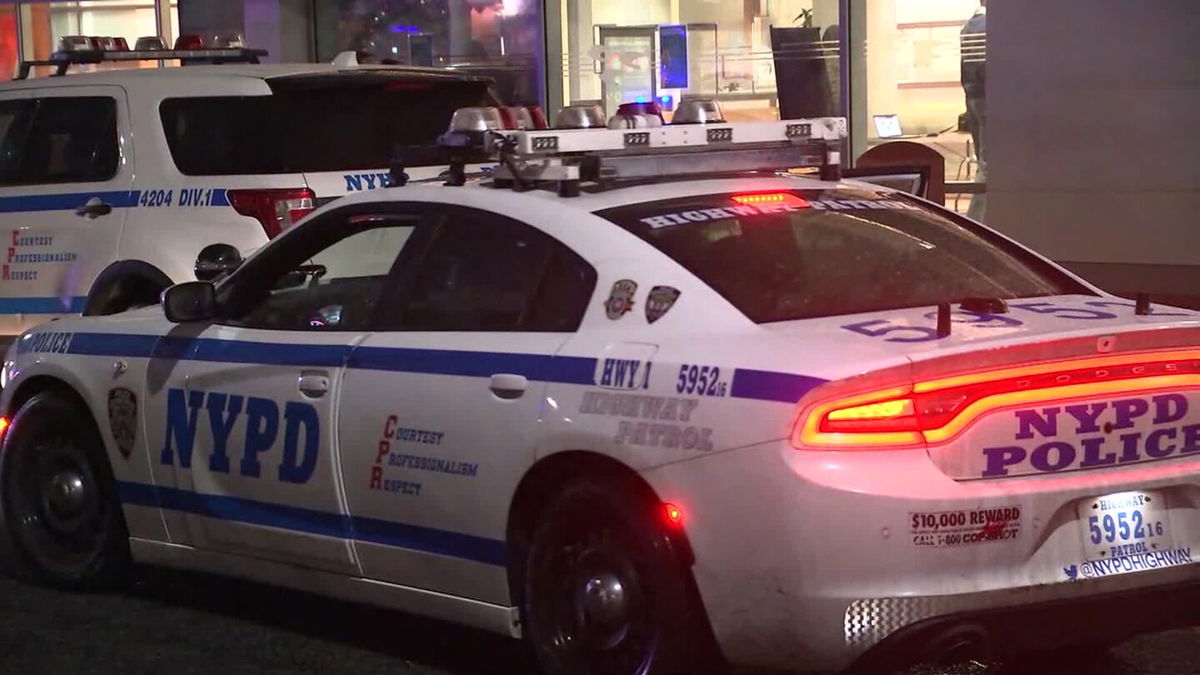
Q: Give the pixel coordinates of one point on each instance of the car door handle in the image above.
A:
(313, 385)
(508, 385)
(94, 208)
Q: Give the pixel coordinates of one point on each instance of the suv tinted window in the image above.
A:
(309, 125)
(487, 273)
(15, 117)
(60, 140)
(809, 253)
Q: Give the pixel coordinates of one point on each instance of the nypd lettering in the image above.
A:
(261, 422)
(1093, 435)
(944, 529)
(49, 342)
(623, 374)
(663, 413)
(358, 182)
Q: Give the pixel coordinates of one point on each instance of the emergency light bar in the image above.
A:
(63, 59)
(558, 141)
(567, 158)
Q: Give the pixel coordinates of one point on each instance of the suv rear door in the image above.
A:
(65, 187)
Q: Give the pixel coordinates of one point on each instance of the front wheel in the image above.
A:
(62, 519)
(604, 592)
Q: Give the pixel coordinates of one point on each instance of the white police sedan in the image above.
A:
(655, 408)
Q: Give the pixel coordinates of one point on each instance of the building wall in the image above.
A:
(1093, 137)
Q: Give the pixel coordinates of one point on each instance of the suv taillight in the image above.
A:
(276, 209)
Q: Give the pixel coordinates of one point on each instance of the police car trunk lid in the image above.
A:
(1070, 383)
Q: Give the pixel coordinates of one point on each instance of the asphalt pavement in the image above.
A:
(182, 623)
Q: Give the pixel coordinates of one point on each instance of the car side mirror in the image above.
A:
(217, 261)
(190, 301)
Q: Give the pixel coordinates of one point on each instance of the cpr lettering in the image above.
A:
(261, 416)
(1068, 445)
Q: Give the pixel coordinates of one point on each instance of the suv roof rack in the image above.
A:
(566, 159)
(64, 59)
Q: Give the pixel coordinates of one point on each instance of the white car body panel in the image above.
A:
(802, 556)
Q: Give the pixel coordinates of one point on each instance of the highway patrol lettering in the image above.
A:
(262, 422)
(653, 434)
(1091, 438)
(797, 204)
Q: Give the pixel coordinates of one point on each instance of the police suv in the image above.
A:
(649, 398)
(111, 181)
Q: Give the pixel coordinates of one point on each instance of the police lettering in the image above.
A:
(52, 342)
(259, 419)
(1047, 452)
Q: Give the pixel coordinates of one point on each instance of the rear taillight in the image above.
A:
(936, 411)
(275, 209)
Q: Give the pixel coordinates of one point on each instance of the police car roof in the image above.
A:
(251, 71)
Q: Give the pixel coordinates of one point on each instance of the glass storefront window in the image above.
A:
(499, 38)
(43, 24)
(922, 80)
(760, 58)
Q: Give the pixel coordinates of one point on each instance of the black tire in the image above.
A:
(61, 518)
(604, 592)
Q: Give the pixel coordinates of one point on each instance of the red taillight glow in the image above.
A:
(771, 199)
(3, 426)
(672, 515)
(936, 411)
(275, 209)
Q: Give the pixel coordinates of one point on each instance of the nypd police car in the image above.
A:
(643, 398)
(113, 180)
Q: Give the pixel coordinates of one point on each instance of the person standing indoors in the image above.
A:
(973, 47)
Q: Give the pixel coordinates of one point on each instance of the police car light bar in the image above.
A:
(64, 59)
(559, 141)
(569, 157)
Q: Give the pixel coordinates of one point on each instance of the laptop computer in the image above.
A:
(888, 126)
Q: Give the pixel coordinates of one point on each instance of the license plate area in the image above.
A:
(1124, 524)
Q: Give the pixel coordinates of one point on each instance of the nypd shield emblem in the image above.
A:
(659, 301)
(620, 300)
(122, 419)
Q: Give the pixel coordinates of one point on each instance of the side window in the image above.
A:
(483, 272)
(15, 118)
(72, 140)
(331, 281)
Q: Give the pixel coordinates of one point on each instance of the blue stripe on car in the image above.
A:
(750, 384)
(311, 521)
(53, 305)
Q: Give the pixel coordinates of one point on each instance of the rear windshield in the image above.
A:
(809, 253)
(312, 124)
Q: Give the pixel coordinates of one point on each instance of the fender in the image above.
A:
(122, 269)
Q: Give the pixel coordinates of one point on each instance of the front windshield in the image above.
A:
(800, 254)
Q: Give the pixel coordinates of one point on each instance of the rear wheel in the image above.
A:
(63, 521)
(604, 592)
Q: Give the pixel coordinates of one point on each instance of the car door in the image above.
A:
(246, 410)
(65, 188)
(439, 410)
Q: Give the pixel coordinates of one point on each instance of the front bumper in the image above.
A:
(808, 559)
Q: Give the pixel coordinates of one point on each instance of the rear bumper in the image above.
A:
(1092, 620)
(809, 559)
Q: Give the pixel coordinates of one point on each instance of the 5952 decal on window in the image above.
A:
(700, 380)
